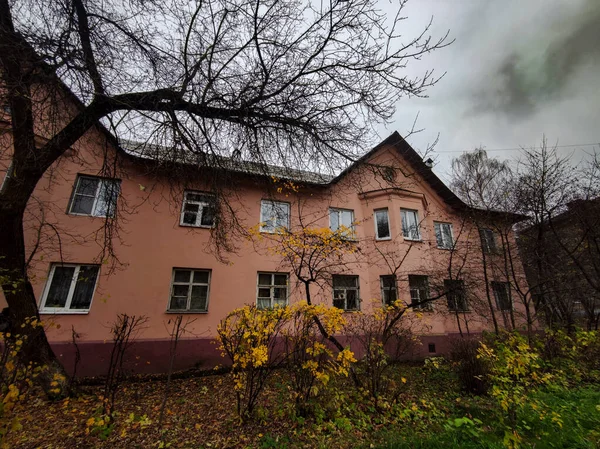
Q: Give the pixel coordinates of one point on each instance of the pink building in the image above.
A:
(415, 240)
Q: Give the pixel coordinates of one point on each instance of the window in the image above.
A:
(198, 209)
(274, 215)
(272, 290)
(342, 217)
(488, 241)
(455, 294)
(345, 292)
(95, 196)
(410, 224)
(382, 224)
(502, 295)
(70, 288)
(443, 235)
(389, 292)
(419, 291)
(189, 290)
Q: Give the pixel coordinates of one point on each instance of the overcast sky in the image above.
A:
(518, 69)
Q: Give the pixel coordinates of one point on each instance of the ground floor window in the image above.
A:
(69, 288)
(189, 290)
(272, 290)
(345, 292)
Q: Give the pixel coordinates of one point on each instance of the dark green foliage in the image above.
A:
(471, 370)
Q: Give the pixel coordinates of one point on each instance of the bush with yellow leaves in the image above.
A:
(309, 356)
(16, 379)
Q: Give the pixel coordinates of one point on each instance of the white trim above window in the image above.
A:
(382, 224)
(410, 224)
(69, 288)
(190, 289)
(198, 209)
(94, 196)
(271, 290)
(274, 215)
(443, 235)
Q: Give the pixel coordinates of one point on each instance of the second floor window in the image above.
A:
(342, 218)
(389, 293)
(198, 209)
(272, 290)
(455, 294)
(274, 215)
(410, 224)
(345, 292)
(95, 196)
(189, 290)
(443, 235)
(488, 240)
(502, 295)
(419, 291)
(69, 288)
(382, 224)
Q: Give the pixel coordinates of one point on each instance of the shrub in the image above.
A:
(472, 370)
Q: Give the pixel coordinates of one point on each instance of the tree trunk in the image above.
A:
(22, 305)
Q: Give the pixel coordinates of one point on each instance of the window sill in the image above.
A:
(89, 215)
(63, 312)
(443, 248)
(183, 225)
(413, 240)
(386, 239)
(186, 312)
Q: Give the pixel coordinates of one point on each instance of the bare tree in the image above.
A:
(297, 84)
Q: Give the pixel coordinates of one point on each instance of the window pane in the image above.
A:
(264, 293)
(178, 303)
(264, 279)
(82, 205)
(267, 216)
(282, 213)
(182, 275)
(388, 281)
(180, 290)
(198, 197)
(334, 219)
(201, 277)
(438, 235)
(345, 281)
(351, 300)
(199, 297)
(87, 186)
(189, 218)
(280, 293)
(347, 218)
(338, 301)
(263, 303)
(280, 279)
(191, 207)
(84, 288)
(383, 224)
(281, 302)
(107, 198)
(447, 235)
(208, 216)
(59, 289)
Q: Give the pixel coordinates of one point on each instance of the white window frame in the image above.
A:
(384, 289)
(445, 245)
(345, 290)
(101, 181)
(506, 286)
(418, 225)
(201, 206)
(422, 307)
(190, 284)
(272, 286)
(375, 212)
(264, 219)
(339, 211)
(66, 309)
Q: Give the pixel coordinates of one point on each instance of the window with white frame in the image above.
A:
(488, 240)
(189, 290)
(389, 292)
(198, 209)
(382, 224)
(456, 296)
(410, 224)
(345, 292)
(443, 235)
(342, 218)
(502, 295)
(272, 290)
(419, 291)
(95, 196)
(69, 288)
(274, 215)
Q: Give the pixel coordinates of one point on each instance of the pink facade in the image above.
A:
(150, 243)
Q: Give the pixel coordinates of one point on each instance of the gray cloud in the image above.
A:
(535, 73)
